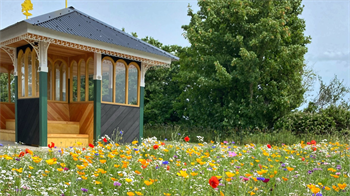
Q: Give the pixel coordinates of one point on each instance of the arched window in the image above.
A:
(133, 81)
(82, 79)
(90, 81)
(4, 85)
(107, 80)
(74, 81)
(57, 81)
(49, 80)
(120, 82)
(28, 78)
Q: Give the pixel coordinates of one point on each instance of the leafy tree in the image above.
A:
(245, 64)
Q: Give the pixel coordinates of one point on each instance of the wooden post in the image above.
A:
(43, 71)
(97, 96)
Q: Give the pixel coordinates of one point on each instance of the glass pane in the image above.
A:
(75, 81)
(30, 76)
(64, 76)
(82, 80)
(91, 80)
(49, 81)
(132, 85)
(120, 83)
(57, 81)
(22, 77)
(4, 92)
(107, 80)
(13, 85)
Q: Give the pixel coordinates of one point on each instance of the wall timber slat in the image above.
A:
(84, 114)
(121, 118)
(58, 111)
(28, 121)
(7, 111)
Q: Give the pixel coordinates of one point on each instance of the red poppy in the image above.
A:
(155, 147)
(162, 143)
(84, 149)
(27, 150)
(313, 142)
(21, 154)
(185, 163)
(143, 167)
(266, 180)
(214, 182)
(51, 146)
(302, 158)
(268, 145)
(308, 143)
(91, 145)
(314, 149)
(167, 167)
(187, 139)
(105, 140)
(260, 166)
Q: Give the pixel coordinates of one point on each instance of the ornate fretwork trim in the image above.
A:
(31, 38)
(12, 53)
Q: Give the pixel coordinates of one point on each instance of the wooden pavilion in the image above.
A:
(66, 77)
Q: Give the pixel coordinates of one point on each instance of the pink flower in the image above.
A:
(231, 154)
(245, 179)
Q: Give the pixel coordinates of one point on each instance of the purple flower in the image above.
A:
(157, 167)
(232, 142)
(338, 166)
(84, 190)
(310, 172)
(18, 159)
(96, 154)
(260, 178)
(175, 156)
(117, 184)
(317, 194)
(136, 149)
(121, 132)
(1, 144)
(283, 165)
(238, 167)
(165, 139)
(179, 133)
(214, 147)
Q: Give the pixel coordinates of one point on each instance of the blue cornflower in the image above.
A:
(285, 169)
(214, 147)
(260, 178)
(121, 132)
(233, 142)
(84, 190)
(165, 139)
(96, 154)
(136, 149)
(1, 144)
(165, 162)
(179, 133)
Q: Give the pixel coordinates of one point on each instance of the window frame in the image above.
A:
(114, 63)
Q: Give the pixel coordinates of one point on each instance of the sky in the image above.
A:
(327, 22)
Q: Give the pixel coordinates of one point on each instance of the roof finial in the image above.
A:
(66, 4)
(27, 6)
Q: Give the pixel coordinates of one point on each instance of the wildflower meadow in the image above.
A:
(177, 168)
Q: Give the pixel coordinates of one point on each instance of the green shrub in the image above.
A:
(333, 118)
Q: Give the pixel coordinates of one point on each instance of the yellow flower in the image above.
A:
(98, 182)
(103, 161)
(229, 174)
(228, 179)
(138, 193)
(59, 169)
(183, 174)
(257, 161)
(147, 182)
(30, 167)
(84, 177)
(285, 179)
(252, 193)
(194, 174)
(128, 179)
(167, 194)
(135, 142)
(331, 169)
(63, 165)
(80, 167)
(327, 188)
(335, 176)
(116, 166)
(342, 186)
(130, 193)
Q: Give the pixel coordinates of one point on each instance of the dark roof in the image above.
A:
(75, 22)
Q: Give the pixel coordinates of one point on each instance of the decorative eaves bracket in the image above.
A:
(12, 53)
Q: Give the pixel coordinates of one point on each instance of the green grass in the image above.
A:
(276, 137)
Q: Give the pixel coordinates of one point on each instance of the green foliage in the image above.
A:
(4, 87)
(326, 121)
(245, 64)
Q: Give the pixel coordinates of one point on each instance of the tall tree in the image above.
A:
(245, 63)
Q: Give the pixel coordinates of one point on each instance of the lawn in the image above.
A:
(178, 168)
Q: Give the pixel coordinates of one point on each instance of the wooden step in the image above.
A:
(62, 127)
(7, 135)
(68, 140)
(10, 124)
